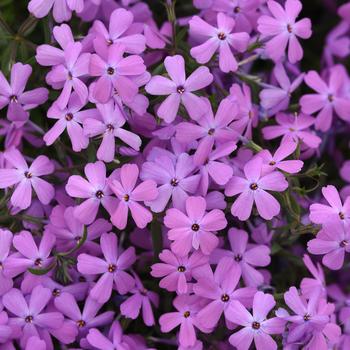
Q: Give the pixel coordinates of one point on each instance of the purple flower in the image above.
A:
(95, 190)
(129, 196)
(5, 329)
(35, 343)
(177, 271)
(195, 228)
(6, 282)
(25, 178)
(180, 89)
(220, 38)
(221, 290)
(329, 97)
(30, 315)
(109, 123)
(13, 95)
(256, 326)
(283, 30)
(111, 267)
(252, 188)
(115, 72)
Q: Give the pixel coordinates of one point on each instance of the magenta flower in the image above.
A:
(276, 161)
(256, 326)
(221, 290)
(129, 196)
(252, 188)
(95, 190)
(25, 178)
(120, 24)
(211, 131)
(13, 95)
(283, 30)
(175, 180)
(111, 267)
(30, 315)
(35, 343)
(115, 72)
(177, 271)
(180, 89)
(328, 97)
(6, 282)
(195, 228)
(187, 307)
(293, 128)
(220, 38)
(109, 123)
(141, 300)
(334, 211)
(333, 241)
(248, 256)
(82, 321)
(70, 118)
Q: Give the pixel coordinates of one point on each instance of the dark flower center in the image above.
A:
(195, 227)
(255, 325)
(78, 239)
(237, 9)
(111, 268)
(13, 98)
(238, 257)
(1, 265)
(109, 41)
(344, 243)
(180, 89)
(289, 28)
(69, 117)
(38, 262)
(28, 175)
(81, 323)
(187, 314)
(181, 268)
(342, 216)
(330, 98)
(110, 127)
(126, 198)
(225, 298)
(29, 319)
(56, 292)
(174, 182)
(99, 194)
(307, 317)
(272, 162)
(254, 186)
(211, 131)
(222, 36)
(70, 76)
(110, 70)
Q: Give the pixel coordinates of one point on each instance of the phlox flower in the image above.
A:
(36, 343)
(195, 228)
(220, 38)
(6, 282)
(180, 89)
(26, 177)
(129, 194)
(252, 188)
(282, 30)
(256, 326)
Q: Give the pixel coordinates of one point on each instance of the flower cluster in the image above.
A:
(163, 176)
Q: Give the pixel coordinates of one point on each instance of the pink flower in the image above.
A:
(221, 290)
(62, 9)
(180, 89)
(328, 98)
(333, 241)
(25, 178)
(6, 282)
(256, 326)
(129, 196)
(111, 267)
(95, 190)
(252, 188)
(195, 229)
(220, 38)
(283, 30)
(177, 271)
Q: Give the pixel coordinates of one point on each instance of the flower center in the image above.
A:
(307, 317)
(289, 28)
(38, 262)
(180, 89)
(1, 266)
(13, 98)
(29, 319)
(225, 298)
(69, 117)
(330, 98)
(109, 42)
(238, 257)
(344, 243)
(222, 36)
(56, 292)
(253, 186)
(126, 198)
(211, 131)
(110, 127)
(28, 175)
(111, 268)
(99, 194)
(181, 268)
(81, 323)
(174, 182)
(110, 70)
(195, 227)
(187, 314)
(255, 325)
(237, 9)
(272, 162)
(70, 76)
(342, 216)
(78, 239)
